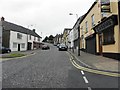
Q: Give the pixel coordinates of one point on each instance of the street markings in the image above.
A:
(93, 70)
(85, 79)
(89, 88)
(77, 66)
(82, 73)
(79, 60)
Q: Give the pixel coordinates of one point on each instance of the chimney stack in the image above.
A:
(33, 30)
(2, 19)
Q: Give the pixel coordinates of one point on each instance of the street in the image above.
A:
(51, 69)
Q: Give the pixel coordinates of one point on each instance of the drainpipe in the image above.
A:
(79, 40)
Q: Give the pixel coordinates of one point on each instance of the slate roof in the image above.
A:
(10, 26)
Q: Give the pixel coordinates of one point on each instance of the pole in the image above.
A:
(79, 40)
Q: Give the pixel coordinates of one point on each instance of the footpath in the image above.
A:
(96, 62)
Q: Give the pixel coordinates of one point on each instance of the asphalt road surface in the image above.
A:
(51, 69)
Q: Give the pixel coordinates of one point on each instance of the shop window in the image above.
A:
(108, 36)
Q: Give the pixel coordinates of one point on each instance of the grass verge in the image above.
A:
(13, 55)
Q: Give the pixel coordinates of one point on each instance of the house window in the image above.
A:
(93, 20)
(23, 45)
(108, 36)
(29, 37)
(38, 39)
(19, 36)
(14, 45)
(86, 24)
(82, 30)
(34, 38)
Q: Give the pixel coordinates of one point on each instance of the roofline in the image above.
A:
(79, 19)
(21, 27)
(89, 10)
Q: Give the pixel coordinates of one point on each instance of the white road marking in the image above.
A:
(89, 88)
(86, 81)
(82, 73)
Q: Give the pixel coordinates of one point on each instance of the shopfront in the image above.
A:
(107, 32)
(90, 39)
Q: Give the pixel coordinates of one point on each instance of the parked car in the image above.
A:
(55, 44)
(62, 47)
(45, 47)
(58, 45)
(5, 50)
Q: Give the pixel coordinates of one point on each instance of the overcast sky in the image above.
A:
(46, 16)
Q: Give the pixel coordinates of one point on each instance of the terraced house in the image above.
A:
(99, 29)
(19, 38)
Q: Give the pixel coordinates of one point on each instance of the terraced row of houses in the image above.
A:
(18, 38)
(97, 31)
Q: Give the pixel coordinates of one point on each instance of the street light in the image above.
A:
(78, 27)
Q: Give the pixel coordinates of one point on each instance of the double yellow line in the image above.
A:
(92, 70)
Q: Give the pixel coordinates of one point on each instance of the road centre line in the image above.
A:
(85, 79)
(82, 73)
(89, 88)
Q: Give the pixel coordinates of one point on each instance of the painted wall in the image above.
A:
(97, 17)
(14, 39)
(114, 48)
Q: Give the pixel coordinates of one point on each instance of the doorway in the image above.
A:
(100, 44)
(18, 47)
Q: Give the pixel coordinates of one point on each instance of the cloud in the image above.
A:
(47, 16)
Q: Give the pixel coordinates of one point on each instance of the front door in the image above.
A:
(18, 47)
(100, 44)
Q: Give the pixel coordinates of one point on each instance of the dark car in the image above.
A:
(5, 50)
(45, 47)
(55, 44)
(62, 47)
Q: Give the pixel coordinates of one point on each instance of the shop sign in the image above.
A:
(105, 5)
(91, 32)
(109, 22)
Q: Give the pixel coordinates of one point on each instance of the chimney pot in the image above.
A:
(2, 19)
(33, 30)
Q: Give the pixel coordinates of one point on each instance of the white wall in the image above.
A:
(14, 39)
(71, 38)
(75, 32)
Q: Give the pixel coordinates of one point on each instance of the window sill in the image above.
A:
(108, 43)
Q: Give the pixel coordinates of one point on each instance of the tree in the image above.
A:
(51, 37)
(46, 39)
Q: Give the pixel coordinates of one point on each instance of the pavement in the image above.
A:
(96, 62)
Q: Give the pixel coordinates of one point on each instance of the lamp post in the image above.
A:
(78, 27)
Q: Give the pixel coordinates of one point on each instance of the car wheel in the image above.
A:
(8, 51)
